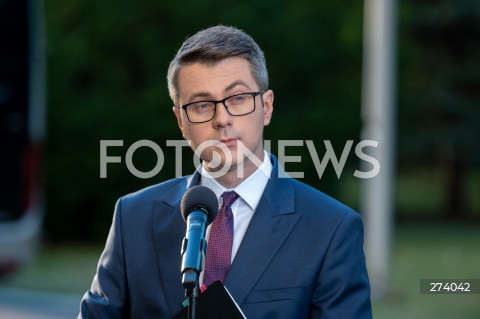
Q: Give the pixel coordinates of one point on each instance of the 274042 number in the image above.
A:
(449, 286)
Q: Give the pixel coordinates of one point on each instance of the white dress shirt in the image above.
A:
(250, 192)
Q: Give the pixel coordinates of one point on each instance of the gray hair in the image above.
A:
(213, 45)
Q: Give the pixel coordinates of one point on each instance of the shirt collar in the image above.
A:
(250, 190)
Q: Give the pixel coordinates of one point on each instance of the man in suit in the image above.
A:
(295, 252)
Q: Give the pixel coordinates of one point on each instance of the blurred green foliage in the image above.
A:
(107, 63)
(439, 94)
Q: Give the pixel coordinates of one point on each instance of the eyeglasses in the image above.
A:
(236, 105)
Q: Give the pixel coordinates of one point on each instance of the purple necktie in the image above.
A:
(219, 249)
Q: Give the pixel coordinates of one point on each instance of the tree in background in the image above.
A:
(440, 92)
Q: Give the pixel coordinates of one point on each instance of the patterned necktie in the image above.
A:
(219, 249)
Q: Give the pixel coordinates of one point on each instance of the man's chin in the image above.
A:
(214, 166)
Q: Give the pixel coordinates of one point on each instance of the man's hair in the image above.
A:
(213, 45)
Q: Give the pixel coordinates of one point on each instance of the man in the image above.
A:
(295, 252)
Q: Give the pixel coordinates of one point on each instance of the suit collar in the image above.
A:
(174, 196)
(194, 179)
(279, 191)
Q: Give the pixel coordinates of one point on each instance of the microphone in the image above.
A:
(199, 208)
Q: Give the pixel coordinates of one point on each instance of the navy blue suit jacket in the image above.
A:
(301, 257)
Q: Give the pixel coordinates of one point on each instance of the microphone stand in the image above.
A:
(192, 291)
(192, 295)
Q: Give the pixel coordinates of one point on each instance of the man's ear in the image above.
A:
(178, 115)
(267, 107)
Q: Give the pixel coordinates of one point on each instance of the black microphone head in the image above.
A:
(199, 197)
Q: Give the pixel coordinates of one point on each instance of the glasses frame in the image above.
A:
(254, 94)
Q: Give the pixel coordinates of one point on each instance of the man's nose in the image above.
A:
(222, 117)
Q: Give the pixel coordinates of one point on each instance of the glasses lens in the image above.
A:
(240, 104)
(201, 111)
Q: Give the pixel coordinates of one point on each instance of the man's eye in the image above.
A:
(201, 106)
(239, 99)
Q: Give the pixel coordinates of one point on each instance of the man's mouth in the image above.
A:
(229, 142)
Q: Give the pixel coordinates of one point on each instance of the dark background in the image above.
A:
(107, 63)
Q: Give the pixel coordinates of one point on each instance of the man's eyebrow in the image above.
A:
(198, 95)
(206, 95)
(236, 83)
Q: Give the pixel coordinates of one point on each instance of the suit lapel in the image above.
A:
(271, 224)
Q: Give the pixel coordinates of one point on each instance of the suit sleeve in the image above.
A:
(108, 296)
(343, 289)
